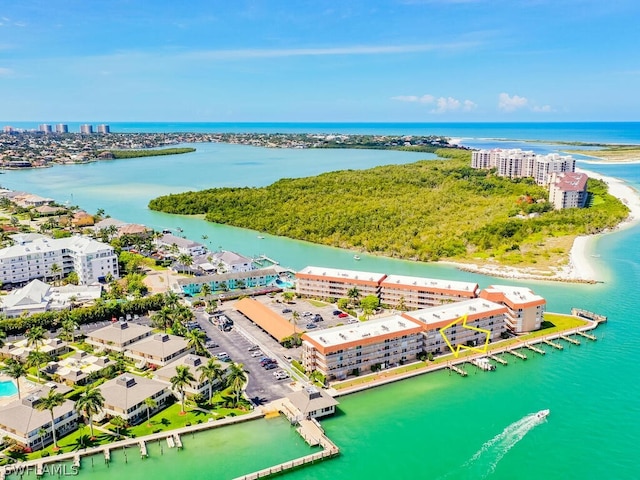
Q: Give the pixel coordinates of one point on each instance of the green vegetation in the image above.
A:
(429, 210)
(118, 154)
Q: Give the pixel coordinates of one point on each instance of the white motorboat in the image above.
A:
(543, 413)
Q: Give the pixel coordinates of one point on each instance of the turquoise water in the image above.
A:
(435, 426)
(8, 388)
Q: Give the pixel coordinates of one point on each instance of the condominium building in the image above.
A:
(104, 128)
(480, 314)
(37, 256)
(229, 281)
(125, 397)
(86, 128)
(525, 309)
(323, 282)
(517, 163)
(353, 349)
(180, 245)
(405, 292)
(62, 128)
(118, 336)
(194, 363)
(158, 349)
(568, 190)
(21, 421)
(45, 128)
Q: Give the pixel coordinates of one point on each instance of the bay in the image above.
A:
(435, 426)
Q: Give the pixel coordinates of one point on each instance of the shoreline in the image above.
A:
(580, 268)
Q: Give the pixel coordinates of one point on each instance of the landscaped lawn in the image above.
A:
(75, 441)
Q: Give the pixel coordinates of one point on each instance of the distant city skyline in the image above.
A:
(320, 61)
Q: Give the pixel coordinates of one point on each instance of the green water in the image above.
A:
(433, 426)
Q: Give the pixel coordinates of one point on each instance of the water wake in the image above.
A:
(483, 463)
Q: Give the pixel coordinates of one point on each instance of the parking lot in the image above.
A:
(263, 386)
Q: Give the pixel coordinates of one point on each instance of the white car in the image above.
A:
(280, 374)
(257, 353)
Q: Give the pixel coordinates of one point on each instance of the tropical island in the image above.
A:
(428, 211)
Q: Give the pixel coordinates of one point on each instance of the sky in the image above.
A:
(320, 60)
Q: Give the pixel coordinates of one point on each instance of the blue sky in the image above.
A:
(299, 60)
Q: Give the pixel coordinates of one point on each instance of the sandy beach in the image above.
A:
(580, 267)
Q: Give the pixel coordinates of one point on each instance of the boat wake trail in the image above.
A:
(483, 463)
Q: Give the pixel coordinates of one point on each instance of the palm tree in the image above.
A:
(163, 317)
(150, 403)
(50, 402)
(118, 422)
(15, 369)
(55, 270)
(3, 334)
(90, 403)
(236, 379)
(171, 299)
(180, 380)
(35, 337)
(354, 294)
(36, 358)
(69, 327)
(41, 433)
(185, 259)
(205, 290)
(196, 340)
(211, 372)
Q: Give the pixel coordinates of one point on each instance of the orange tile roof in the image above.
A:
(274, 324)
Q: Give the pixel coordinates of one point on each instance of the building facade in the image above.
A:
(322, 282)
(62, 128)
(35, 257)
(408, 293)
(525, 309)
(229, 281)
(480, 314)
(354, 349)
(86, 129)
(125, 397)
(517, 163)
(568, 190)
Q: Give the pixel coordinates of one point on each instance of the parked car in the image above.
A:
(222, 354)
(267, 361)
(353, 320)
(306, 314)
(343, 315)
(270, 366)
(311, 326)
(256, 354)
(286, 310)
(318, 318)
(253, 348)
(280, 375)
(337, 312)
(211, 345)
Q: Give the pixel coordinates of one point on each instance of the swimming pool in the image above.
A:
(7, 388)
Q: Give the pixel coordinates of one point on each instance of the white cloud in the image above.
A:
(5, 72)
(508, 103)
(543, 108)
(348, 50)
(414, 98)
(441, 104)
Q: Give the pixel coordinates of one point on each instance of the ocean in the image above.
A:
(436, 426)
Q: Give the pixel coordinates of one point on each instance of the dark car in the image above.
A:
(318, 318)
(337, 312)
(253, 348)
(267, 361)
(270, 366)
(286, 310)
(311, 325)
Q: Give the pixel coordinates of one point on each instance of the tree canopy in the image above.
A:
(428, 210)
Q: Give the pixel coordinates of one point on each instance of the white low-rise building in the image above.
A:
(324, 282)
(125, 397)
(182, 245)
(525, 309)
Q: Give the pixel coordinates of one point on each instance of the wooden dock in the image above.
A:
(533, 348)
(553, 344)
(458, 370)
(515, 353)
(587, 335)
(498, 359)
(594, 317)
(569, 339)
